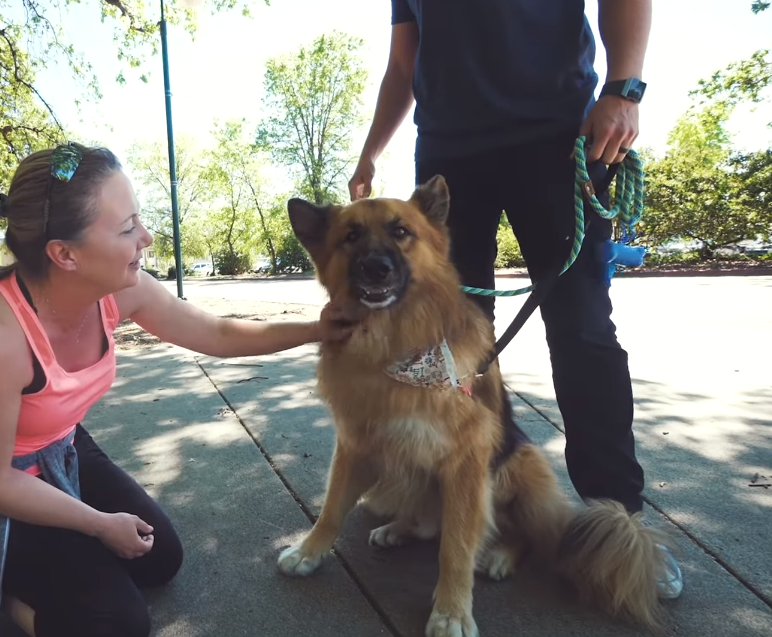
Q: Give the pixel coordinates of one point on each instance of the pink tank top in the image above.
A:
(53, 412)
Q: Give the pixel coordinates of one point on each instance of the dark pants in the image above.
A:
(75, 584)
(534, 184)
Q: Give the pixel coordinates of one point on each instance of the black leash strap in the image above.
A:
(542, 288)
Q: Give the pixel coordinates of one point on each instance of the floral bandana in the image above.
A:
(432, 369)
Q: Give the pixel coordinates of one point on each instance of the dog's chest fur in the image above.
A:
(416, 441)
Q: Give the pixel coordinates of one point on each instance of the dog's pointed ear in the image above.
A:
(433, 199)
(310, 224)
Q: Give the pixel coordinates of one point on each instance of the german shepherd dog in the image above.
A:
(429, 444)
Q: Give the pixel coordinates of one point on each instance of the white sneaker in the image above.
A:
(671, 584)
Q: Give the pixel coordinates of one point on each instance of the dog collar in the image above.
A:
(434, 368)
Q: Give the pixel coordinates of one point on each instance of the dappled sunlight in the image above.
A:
(753, 619)
(757, 497)
(701, 440)
(185, 627)
(284, 460)
(184, 444)
(295, 402)
(318, 501)
(323, 423)
(716, 427)
(174, 433)
(208, 433)
(290, 539)
(555, 449)
(164, 460)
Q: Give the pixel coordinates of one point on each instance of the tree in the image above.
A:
(26, 124)
(760, 5)
(246, 160)
(290, 254)
(150, 164)
(754, 171)
(30, 39)
(701, 190)
(232, 216)
(744, 81)
(314, 101)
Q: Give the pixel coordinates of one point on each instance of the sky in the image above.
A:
(219, 74)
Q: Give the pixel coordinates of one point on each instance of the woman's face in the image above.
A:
(109, 253)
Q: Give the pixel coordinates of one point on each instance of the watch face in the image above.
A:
(634, 89)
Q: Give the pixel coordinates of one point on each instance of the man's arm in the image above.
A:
(395, 99)
(624, 28)
(613, 122)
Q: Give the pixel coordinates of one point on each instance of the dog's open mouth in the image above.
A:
(375, 297)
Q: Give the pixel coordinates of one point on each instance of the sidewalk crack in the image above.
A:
(369, 598)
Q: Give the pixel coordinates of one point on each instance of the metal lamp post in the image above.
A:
(172, 164)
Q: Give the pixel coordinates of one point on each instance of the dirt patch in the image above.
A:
(129, 335)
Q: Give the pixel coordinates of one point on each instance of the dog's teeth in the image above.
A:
(379, 305)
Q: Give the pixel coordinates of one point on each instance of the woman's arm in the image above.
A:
(154, 308)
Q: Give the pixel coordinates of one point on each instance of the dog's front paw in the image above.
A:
(388, 535)
(497, 563)
(443, 625)
(293, 561)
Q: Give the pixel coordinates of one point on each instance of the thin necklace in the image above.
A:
(83, 322)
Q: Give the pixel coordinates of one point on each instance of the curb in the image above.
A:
(628, 274)
(633, 274)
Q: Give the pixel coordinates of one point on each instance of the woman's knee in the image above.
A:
(161, 565)
(171, 561)
(124, 615)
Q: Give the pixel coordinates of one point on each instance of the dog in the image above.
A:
(426, 442)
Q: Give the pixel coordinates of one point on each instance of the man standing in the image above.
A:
(502, 89)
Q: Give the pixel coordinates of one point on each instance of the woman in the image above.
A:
(83, 536)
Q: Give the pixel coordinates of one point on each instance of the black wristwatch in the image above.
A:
(631, 89)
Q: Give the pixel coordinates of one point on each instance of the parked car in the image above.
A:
(262, 265)
(756, 248)
(202, 269)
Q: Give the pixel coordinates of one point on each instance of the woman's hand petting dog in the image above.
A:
(336, 324)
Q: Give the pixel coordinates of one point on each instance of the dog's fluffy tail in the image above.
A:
(613, 561)
(609, 557)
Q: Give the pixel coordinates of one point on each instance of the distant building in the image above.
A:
(5, 255)
(149, 258)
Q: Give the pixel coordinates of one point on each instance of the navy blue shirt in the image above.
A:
(490, 73)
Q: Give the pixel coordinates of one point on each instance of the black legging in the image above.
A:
(75, 584)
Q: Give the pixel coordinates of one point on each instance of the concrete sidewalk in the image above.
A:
(237, 451)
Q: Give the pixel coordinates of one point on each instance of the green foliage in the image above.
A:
(27, 123)
(231, 225)
(743, 81)
(149, 164)
(290, 254)
(246, 160)
(701, 189)
(509, 255)
(314, 103)
(31, 38)
(760, 5)
(754, 170)
(231, 263)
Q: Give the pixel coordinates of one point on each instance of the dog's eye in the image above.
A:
(400, 232)
(352, 235)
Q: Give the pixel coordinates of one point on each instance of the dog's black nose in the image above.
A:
(376, 268)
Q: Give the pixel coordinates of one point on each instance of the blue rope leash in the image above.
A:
(628, 206)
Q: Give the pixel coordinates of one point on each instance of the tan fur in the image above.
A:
(422, 457)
